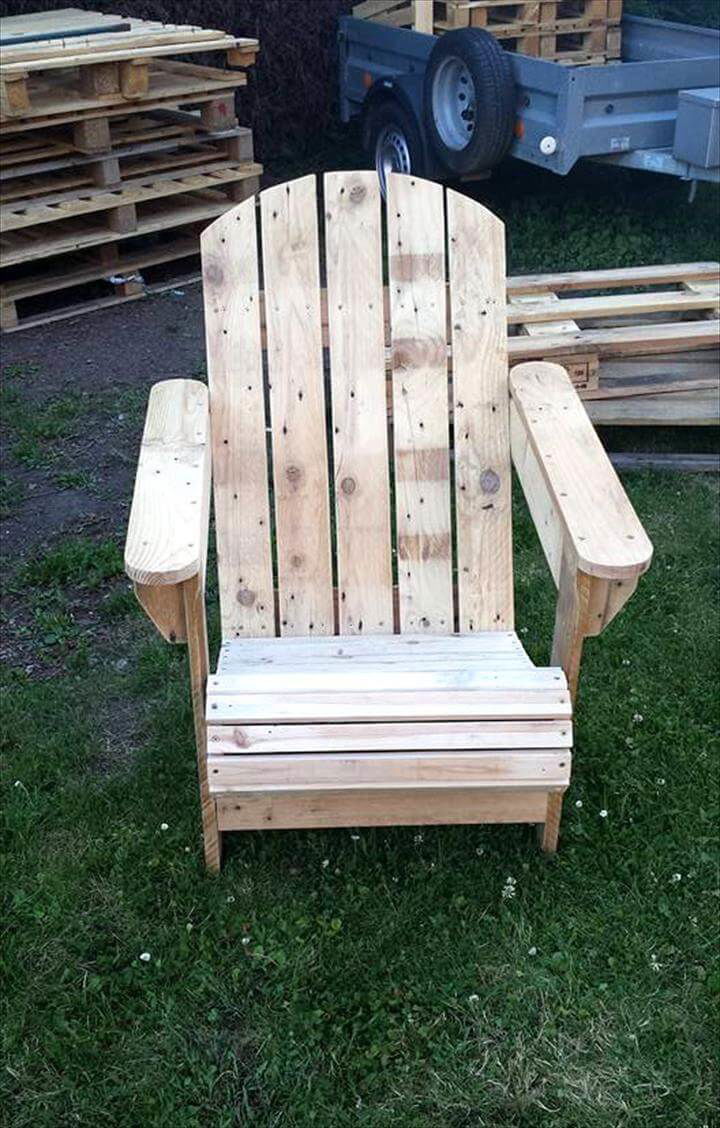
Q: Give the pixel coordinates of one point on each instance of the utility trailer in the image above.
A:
(453, 106)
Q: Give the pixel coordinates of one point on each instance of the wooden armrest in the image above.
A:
(576, 499)
(591, 536)
(167, 534)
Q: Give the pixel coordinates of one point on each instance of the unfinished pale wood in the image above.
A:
(572, 617)
(522, 703)
(416, 272)
(357, 366)
(233, 740)
(550, 829)
(167, 531)
(165, 607)
(597, 519)
(388, 770)
(476, 247)
(678, 409)
(235, 374)
(297, 405)
(193, 591)
(376, 808)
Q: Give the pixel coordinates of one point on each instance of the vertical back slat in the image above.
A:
(359, 404)
(240, 477)
(476, 241)
(297, 407)
(416, 268)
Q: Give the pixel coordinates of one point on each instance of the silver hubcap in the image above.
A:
(453, 103)
(391, 154)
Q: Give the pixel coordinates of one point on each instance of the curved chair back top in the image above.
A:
(359, 411)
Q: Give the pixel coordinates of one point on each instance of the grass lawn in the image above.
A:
(379, 978)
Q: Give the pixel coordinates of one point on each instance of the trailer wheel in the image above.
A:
(469, 100)
(393, 141)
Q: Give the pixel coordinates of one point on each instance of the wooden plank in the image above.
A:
(416, 270)
(543, 704)
(645, 339)
(235, 374)
(597, 520)
(297, 405)
(686, 463)
(233, 740)
(527, 309)
(359, 415)
(388, 770)
(540, 501)
(476, 240)
(168, 518)
(493, 646)
(675, 409)
(342, 678)
(377, 808)
(620, 277)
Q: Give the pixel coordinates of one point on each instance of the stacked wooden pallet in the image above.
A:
(566, 31)
(113, 153)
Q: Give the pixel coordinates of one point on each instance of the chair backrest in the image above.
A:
(362, 515)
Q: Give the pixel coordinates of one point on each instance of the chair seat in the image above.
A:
(385, 712)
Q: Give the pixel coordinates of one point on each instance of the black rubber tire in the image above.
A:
(388, 112)
(491, 74)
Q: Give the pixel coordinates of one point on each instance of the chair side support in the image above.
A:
(166, 547)
(594, 543)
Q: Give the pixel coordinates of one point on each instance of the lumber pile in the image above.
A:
(564, 31)
(115, 151)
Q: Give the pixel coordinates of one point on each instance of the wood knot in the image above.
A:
(348, 486)
(489, 482)
(357, 193)
(246, 597)
(297, 560)
(293, 475)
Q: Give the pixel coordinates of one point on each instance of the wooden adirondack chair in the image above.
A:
(369, 672)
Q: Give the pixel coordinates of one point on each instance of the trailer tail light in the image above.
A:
(519, 128)
(367, 79)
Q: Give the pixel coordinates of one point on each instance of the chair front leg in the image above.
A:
(196, 632)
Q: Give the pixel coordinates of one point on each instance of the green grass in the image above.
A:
(377, 978)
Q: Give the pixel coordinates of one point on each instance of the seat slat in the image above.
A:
(297, 407)
(446, 704)
(357, 365)
(518, 768)
(476, 249)
(416, 271)
(229, 740)
(235, 375)
(404, 648)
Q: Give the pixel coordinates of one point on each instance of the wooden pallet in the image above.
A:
(120, 63)
(126, 166)
(567, 31)
(195, 197)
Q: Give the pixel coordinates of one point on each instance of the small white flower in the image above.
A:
(164, 826)
(473, 998)
(355, 837)
(230, 899)
(188, 927)
(418, 839)
(675, 878)
(603, 814)
(654, 963)
(245, 941)
(325, 863)
(395, 880)
(660, 781)
(17, 783)
(638, 718)
(508, 889)
(510, 881)
(532, 951)
(145, 957)
(626, 661)
(578, 802)
(479, 850)
(187, 849)
(629, 741)
(336, 872)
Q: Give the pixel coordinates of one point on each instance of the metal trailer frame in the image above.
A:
(656, 109)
